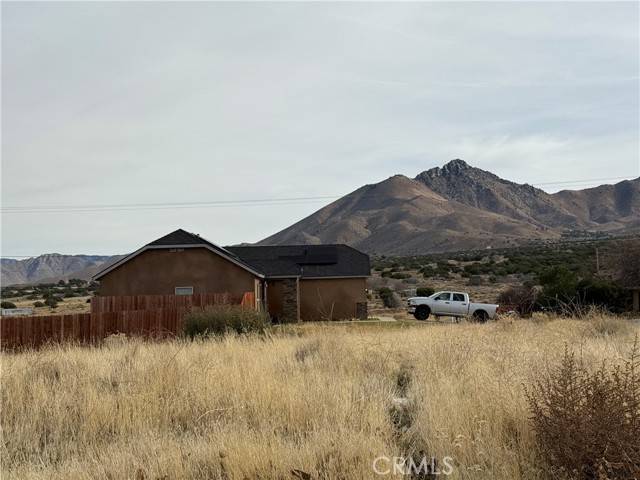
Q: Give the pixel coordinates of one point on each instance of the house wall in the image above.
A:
(283, 300)
(158, 272)
(332, 299)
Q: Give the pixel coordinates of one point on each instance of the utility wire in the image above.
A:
(218, 203)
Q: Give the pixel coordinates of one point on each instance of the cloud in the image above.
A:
(164, 102)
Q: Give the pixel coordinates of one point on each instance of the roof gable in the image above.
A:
(181, 239)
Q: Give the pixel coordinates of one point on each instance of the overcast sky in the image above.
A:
(137, 103)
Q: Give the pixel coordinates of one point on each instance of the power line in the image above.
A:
(174, 204)
(165, 206)
(568, 182)
(220, 203)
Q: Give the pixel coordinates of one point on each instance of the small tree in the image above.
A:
(424, 291)
(6, 304)
(51, 302)
(559, 286)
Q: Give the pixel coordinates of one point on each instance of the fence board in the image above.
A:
(161, 316)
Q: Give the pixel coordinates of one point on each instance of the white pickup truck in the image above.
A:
(450, 304)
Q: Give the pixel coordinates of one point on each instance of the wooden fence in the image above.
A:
(101, 304)
(168, 321)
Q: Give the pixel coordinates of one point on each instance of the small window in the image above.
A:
(458, 297)
(443, 296)
(184, 290)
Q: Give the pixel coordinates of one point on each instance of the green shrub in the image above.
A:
(51, 302)
(6, 304)
(602, 293)
(223, 319)
(38, 304)
(559, 286)
(400, 276)
(424, 291)
(389, 298)
(562, 289)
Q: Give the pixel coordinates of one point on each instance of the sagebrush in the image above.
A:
(222, 319)
(587, 422)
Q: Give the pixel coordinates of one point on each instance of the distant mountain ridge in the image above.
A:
(453, 207)
(458, 207)
(52, 267)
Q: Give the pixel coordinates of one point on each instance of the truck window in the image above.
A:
(443, 296)
(458, 297)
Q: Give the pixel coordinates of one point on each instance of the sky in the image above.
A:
(166, 103)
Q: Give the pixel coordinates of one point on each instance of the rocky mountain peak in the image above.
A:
(456, 165)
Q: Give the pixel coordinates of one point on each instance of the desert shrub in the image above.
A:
(628, 263)
(38, 304)
(563, 291)
(7, 304)
(33, 296)
(400, 276)
(559, 286)
(222, 319)
(390, 299)
(51, 302)
(472, 269)
(424, 291)
(602, 293)
(475, 280)
(587, 423)
(521, 298)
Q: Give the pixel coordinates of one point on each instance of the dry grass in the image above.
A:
(315, 400)
(67, 307)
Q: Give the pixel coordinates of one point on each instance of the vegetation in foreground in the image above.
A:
(318, 402)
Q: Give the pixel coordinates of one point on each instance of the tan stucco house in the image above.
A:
(292, 282)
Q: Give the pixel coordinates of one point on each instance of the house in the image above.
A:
(291, 282)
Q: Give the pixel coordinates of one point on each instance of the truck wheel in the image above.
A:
(480, 316)
(422, 312)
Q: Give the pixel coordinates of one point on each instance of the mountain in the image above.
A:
(457, 207)
(52, 267)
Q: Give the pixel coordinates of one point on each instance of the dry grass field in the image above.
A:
(312, 402)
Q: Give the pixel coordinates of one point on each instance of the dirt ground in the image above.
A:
(66, 307)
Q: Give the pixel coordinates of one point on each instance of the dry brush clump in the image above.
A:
(223, 319)
(318, 402)
(587, 421)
